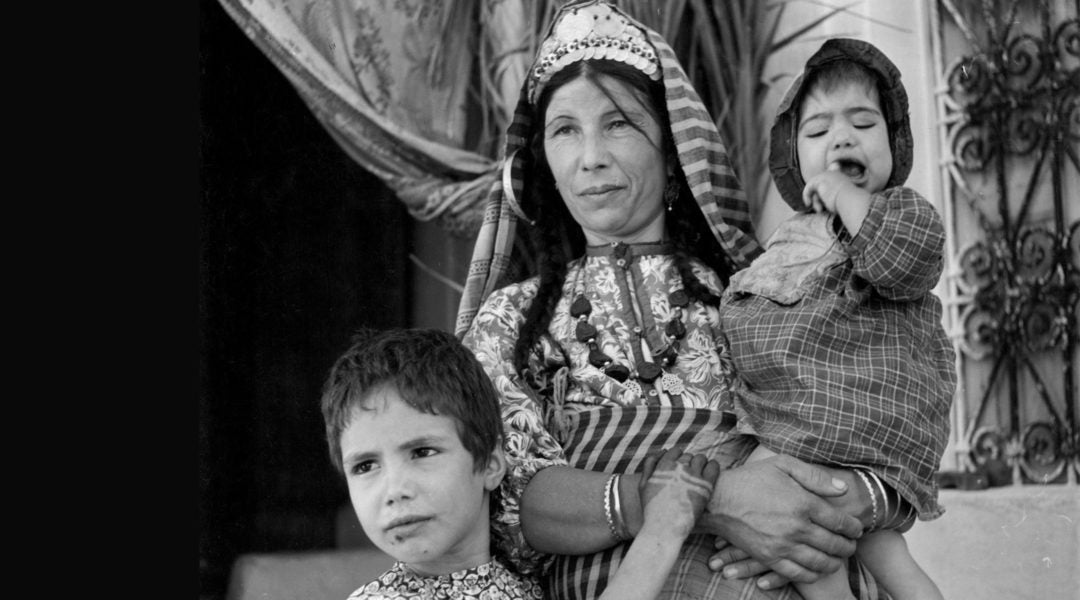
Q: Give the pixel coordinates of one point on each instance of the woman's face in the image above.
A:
(609, 174)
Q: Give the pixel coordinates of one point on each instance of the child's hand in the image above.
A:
(823, 190)
(675, 488)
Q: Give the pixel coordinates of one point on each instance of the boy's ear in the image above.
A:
(495, 468)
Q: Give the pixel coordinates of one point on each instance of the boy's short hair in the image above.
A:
(432, 372)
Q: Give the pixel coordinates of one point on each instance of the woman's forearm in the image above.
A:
(562, 510)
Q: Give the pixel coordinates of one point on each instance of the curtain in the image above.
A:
(418, 92)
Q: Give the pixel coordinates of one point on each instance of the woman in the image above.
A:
(620, 183)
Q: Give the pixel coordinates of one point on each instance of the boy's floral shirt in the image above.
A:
(489, 581)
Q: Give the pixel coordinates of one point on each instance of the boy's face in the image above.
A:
(845, 126)
(413, 485)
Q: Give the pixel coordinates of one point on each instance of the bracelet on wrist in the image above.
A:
(613, 510)
(888, 508)
(873, 499)
(896, 513)
(620, 520)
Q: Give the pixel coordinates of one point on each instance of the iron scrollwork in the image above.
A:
(1013, 112)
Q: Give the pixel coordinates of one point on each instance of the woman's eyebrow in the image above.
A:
(557, 118)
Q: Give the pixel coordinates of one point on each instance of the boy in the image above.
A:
(839, 351)
(413, 423)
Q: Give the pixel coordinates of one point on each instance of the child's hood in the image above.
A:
(783, 154)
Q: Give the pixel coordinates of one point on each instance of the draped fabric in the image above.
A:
(420, 92)
(394, 90)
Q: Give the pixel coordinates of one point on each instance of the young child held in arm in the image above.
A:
(413, 423)
(839, 351)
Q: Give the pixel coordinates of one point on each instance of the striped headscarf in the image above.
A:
(702, 157)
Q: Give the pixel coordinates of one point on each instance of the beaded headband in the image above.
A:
(592, 31)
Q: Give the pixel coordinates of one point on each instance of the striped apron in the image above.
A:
(617, 440)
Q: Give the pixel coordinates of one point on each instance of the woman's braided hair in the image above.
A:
(556, 238)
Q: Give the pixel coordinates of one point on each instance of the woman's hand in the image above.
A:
(674, 489)
(778, 511)
(857, 501)
(738, 564)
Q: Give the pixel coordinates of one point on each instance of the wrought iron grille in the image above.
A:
(1010, 105)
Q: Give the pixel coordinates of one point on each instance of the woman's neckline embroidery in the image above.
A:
(622, 250)
(645, 373)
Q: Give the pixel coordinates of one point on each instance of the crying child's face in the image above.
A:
(845, 126)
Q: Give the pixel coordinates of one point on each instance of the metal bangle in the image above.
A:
(873, 499)
(608, 487)
(622, 532)
(888, 508)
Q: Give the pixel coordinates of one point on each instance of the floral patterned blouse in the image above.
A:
(628, 287)
(489, 581)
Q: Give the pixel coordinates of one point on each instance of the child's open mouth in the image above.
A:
(852, 168)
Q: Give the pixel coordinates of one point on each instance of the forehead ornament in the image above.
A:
(592, 32)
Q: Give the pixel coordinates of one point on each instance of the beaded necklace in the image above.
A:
(642, 378)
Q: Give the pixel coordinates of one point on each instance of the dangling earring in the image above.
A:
(671, 190)
(671, 193)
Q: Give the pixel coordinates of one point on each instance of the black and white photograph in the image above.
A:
(639, 299)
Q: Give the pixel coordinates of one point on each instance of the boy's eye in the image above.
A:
(364, 466)
(813, 133)
(424, 452)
